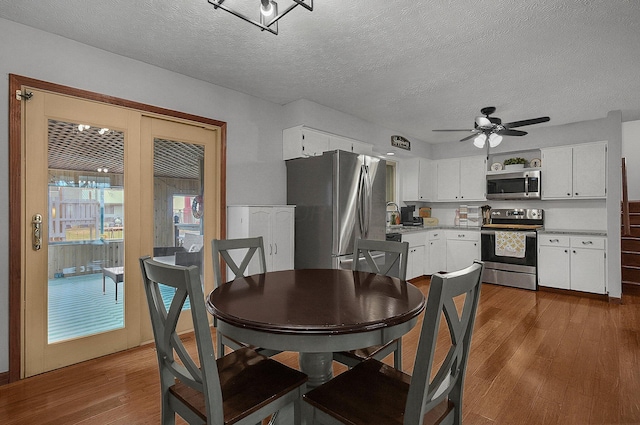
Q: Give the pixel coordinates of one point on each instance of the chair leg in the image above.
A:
(397, 356)
(456, 397)
(297, 411)
(219, 345)
(168, 415)
(308, 413)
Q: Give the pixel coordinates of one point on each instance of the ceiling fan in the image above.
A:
(492, 129)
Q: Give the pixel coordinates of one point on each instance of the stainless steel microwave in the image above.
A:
(514, 185)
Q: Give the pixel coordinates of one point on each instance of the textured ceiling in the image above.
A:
(411, 66)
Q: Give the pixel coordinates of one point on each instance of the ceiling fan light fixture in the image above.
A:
(494, 140)
(479, 140)
(483, 122)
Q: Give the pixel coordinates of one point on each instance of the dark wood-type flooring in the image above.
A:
(536, 358)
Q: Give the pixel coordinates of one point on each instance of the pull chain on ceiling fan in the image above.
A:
(491, 129)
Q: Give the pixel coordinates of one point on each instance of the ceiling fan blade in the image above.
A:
(509, 132)
(526, 122)
(466, 129)
(470, 137)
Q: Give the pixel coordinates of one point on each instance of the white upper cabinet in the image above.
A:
(301, 141)
(418, 176)
(461, 179)
(473, 178)
(574, 172)
(349, 145)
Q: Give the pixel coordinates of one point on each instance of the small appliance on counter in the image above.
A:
(407, 217)
(486, 214)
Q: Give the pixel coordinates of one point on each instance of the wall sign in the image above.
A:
(400, 142)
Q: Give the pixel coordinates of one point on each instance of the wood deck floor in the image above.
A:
(537, 358)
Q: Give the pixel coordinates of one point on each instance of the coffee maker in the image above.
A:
(406, 215)
(486, 214)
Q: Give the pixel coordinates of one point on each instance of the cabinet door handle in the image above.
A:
(587, 242)
(554, 240)
(276, 245)
(574, 251)
(566, 250)
(270, 249)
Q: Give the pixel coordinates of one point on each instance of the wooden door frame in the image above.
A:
(16, 82)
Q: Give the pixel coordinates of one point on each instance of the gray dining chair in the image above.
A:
(242, 387)
(375, 393)
(237, 254)
(390, 259)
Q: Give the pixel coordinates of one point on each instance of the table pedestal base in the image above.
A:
(318, 367)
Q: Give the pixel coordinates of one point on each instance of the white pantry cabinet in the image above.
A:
(463, 247)
(418, 176)
(301, 141)
(275, 223)
(461, 179)
(572, 262)
(417, 258)
(574, 172)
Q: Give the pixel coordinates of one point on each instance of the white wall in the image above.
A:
(631, 151)
(256, 173)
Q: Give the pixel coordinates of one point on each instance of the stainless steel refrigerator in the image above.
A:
(339, 196)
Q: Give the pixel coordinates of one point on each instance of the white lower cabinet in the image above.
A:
(463, 247)
(572, 262)
(276, 226)
(436, 246)
(416, 258)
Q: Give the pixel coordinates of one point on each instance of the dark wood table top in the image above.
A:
(316, 302)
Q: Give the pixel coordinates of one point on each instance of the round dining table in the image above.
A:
(315, 312)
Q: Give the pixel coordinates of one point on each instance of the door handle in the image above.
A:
(36, 222)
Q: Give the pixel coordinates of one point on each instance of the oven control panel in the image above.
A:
(517, 214)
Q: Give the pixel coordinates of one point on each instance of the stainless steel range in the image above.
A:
(509, 247)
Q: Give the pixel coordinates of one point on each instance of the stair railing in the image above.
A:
(626, 227)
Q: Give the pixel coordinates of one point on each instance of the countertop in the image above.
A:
(413, 229)
(577, 232)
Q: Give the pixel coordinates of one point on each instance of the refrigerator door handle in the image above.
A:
(368, 200)
(361, 202)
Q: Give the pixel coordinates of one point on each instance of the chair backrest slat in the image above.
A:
(444, 290)
(395, 261)
(229, 249)
(187, 285)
